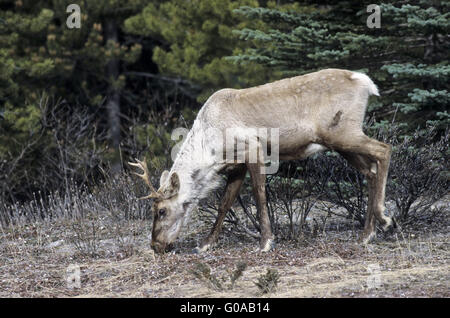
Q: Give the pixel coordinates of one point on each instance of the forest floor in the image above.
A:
(90, 258)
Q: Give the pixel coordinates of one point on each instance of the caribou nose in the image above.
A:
(158, 247)
(161, 247)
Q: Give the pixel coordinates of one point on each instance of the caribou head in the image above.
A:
(168, 210)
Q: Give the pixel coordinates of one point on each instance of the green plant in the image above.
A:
(267, 283)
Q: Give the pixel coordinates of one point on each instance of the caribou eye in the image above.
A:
(161, 212)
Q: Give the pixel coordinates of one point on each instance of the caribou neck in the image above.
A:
(197, 167)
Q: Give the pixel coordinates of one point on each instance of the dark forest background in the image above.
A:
(77, 104)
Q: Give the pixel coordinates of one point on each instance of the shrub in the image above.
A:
(292, 193)
(419, 173)
(267, 283)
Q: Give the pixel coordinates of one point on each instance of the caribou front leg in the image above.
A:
(259, 190)
(234, 182)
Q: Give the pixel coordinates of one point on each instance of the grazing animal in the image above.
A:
(313, 112)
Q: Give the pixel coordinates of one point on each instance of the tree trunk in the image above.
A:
(113, 100)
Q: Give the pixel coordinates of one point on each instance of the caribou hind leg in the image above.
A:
(234, 182)
(380, 155)
(371, 157)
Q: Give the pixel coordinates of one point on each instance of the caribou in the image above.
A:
(311, 113)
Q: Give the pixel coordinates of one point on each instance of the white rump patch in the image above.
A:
(363, 78)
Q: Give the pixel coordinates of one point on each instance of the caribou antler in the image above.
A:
(145, 176)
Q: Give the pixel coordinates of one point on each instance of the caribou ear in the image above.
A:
(163, 177)
(174, 183)
(173, 187)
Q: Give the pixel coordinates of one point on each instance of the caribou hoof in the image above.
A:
(201, 249)
(368, 238)
(392, 229)
(391, 226)
(266, 246)
(389, 223)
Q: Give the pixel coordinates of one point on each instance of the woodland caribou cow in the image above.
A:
(313, 112)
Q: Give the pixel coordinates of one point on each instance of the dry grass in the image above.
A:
(35, 259)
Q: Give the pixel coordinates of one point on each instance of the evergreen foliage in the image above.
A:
(40, 57)
(194, 38)
(136, 69)
(407, 56)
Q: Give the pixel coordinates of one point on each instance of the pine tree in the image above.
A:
(194, 37)
(421, 70)
(406, 56)
(43, 61)
(40, 54)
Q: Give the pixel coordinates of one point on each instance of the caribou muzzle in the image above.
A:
(161, 248)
